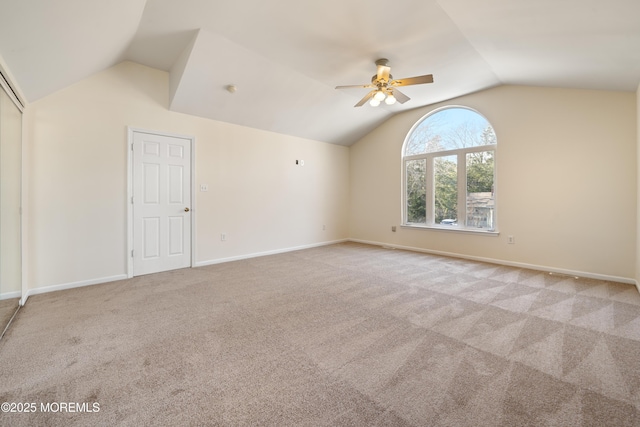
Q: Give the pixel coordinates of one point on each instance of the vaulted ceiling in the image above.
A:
(286, 56)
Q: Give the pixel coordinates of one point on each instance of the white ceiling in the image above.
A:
(286, 56)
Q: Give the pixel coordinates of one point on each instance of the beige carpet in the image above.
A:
(348, 334)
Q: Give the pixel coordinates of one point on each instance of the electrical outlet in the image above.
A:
(223, 237)
(324, 227)
(393, 228)
(511, 240)
(204, 187)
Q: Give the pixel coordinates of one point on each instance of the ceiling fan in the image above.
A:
(385, 87)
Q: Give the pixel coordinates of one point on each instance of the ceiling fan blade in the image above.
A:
(355, 86)
(400, 97)
(383, 72)
(365, 99)
(413, 80)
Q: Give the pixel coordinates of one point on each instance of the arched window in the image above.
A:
(449, 171)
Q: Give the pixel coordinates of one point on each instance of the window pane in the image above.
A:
(480, 194)
(423, 139)
(449, 129)
(416, 191)
(446, 190)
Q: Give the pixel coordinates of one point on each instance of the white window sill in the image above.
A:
(452, 229)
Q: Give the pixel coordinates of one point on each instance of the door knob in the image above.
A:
(186, 209)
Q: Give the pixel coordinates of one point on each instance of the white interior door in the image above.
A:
(161, 203)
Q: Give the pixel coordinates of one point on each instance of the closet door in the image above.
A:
(10, 203)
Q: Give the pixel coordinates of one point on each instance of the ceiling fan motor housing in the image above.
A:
(375, 81)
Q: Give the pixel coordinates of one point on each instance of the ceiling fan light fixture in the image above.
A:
(383, 86)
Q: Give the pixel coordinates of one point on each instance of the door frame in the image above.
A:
(129, 200)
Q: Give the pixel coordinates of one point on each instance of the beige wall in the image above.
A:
(76, 163)
(566, 182)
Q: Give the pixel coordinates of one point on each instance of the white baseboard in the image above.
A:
(273, 252)
(507, 263)
(9, 295)
(61, 287)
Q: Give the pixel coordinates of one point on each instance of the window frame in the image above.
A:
(429, 158)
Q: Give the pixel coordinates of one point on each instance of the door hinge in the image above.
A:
(131, 199)
(131, 253)
(131, 147)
